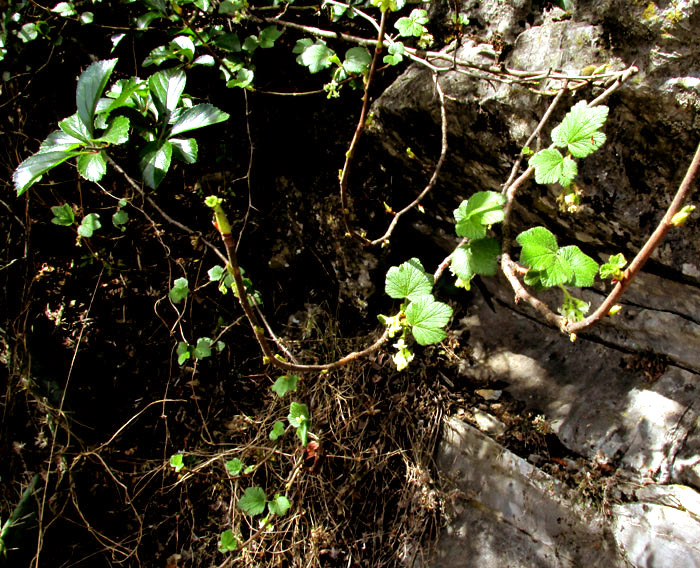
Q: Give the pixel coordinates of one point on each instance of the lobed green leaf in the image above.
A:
(253, 501)
(408, 280)
(427, 318)
(477, 257)
(583, 266)
(474, 215)
(580, 129)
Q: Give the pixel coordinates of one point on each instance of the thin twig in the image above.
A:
(349, 155)
(436, 172)
(269, 356)
(691, 176)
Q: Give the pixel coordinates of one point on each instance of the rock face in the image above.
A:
(625, 393)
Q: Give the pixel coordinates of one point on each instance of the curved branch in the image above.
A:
(436, 172)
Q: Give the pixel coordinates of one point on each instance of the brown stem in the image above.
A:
(349, 155)
(269, 355)
(691, 176)
(436, 172)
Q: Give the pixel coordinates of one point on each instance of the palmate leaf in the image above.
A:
(89, 224)
(155, 162)
(179, 290)
(427, 318)
(315, 56)
(478, 212)
(583, 266)
(559, 272)
(580, 129)
(539, 248)
(91, 83)
(31, 169)
(408, 280)
(198, 116)
(357, 60)
(412, 25)
(285, 384)
(551, 167)
(253, 501)
(279, 505)
(477, 257)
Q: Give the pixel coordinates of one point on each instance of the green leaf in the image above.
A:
(268, 37)
(298, 414)
(477, 257)
(183, 352)
(198, 116)
(158, 55)
(216, 273)
(203, 348)
(580, 129)
(177, 462)
(183, 45)
(481, 210)
(89, 224)
(87, 18)
(396, 53)
(357, 60)
(584, 267)
(279, 505)
(31, 169)
(59, 141)
(206, 60)
(64, 9)
(92, 166)
(412, 25)
(155, 162)
(428, 317)
(408, 280)
(613, 268)
(120, 218)
(316, 57)
(28, 32)
(559, 272)
(184, 150)
(179, 290)
(63, 215)
(228, 42)
(285, 384)
(74, 127)
(234, 467)
(277, 430)
(91, 83)
(551, 167)
(388, 5)
(166, 88)
(122, 93)
(244, 78)
(253, 501)
(227, 542)
(117, 132)
(539, 248)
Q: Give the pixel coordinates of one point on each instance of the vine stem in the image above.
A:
(689, 180)
(436, 172)
(244, 300)
(350, 154)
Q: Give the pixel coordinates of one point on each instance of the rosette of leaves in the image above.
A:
(155, 108)
(579, 133)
